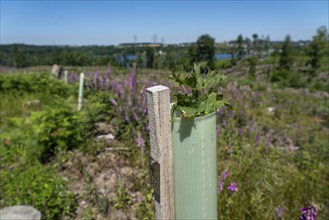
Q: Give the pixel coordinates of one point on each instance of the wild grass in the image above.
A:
(273, 145)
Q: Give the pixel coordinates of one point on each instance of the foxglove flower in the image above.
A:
(145, 110)
(135, 116)
(113, 102)
(222, 180)
(309, 213)
(127, 118)
(140, 142)
(132, 81)
(109, 70)
(251, 127)
(280, 212)
(258, 138)
(218, 132)
(233, 187)
(75, 77)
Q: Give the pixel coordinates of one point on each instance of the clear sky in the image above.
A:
(112, 22)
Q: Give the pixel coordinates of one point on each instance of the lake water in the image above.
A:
(223, 56)
(218, 56)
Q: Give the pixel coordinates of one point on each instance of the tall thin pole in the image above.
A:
(80, 91)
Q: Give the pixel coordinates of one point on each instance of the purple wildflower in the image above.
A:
(280, 212)
(268, 140)
(223, 122)
(113, 102)
(75, 77)
(140, 142)
(309, 213)
(226, 174)
(135, 116)
(145, 110)
(129, 102)
(221, 185)
(132, 81)
(220, 112)
(109, 70)
(230, 113)
(233, 187)
(222, 180)
(253, 97)
(117, 88)
(95, 80)
(100, 83)
(218, 132)
(251, 127)
(138, 199)
(258, 138)
(127, 117)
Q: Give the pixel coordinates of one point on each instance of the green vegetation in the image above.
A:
(272, 145)
(203, 98)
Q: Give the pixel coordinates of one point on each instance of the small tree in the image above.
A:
(150, 57)
(205, 50)
(252, 67)
(317, 49)
(240, 48)
(255, 43)
(286, 60)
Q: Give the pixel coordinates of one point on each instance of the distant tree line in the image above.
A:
(180, 57)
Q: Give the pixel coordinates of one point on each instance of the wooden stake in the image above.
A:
(161, 161)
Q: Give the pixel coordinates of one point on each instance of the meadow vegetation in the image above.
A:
(272, 144)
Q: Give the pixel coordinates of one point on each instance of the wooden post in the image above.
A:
(80, 91)
(161, 161)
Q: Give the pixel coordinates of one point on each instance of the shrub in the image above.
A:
(37, 185)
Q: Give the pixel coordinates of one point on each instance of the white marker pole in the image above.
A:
(80, 91)
(65, 76)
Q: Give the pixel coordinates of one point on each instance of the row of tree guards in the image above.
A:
(183, 163)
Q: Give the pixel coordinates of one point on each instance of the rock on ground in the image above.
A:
(19, 213)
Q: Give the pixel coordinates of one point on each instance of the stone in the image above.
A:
(106, 137)
(126, 171)
(19, 213)
(103, 128)
(117, 214)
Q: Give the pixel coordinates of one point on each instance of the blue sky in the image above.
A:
(112, 22)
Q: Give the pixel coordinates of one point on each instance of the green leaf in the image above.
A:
(204, 98)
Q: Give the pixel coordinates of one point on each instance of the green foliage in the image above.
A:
(145, 209)
(204, 97)
(252, 67)
(32, 83)
(60, 129)
(123, 201)
(318, 49)
(286, 60)
(203, 51)
(286, 78)
(271, 171)
(37, 185)
(240, 48)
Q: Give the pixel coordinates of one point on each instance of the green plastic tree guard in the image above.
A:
(195, 167)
